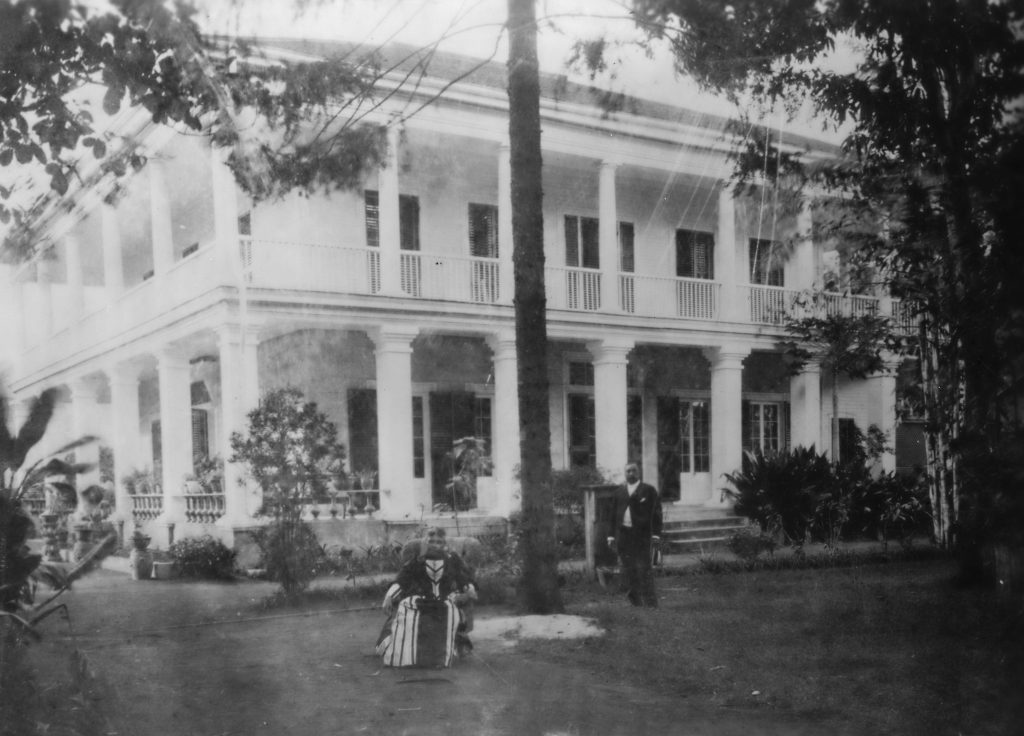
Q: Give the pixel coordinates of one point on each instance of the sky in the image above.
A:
(471, 27)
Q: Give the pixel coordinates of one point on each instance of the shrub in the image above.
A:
(890, 507)
(749, 543)
(291, 553)
(291, 450)
(781, 492)
(203, 557)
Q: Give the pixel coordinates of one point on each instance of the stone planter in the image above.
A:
(140, 563)
(164, 571)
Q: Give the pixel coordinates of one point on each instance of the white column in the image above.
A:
(113, 264)
(19, 414)
(505, 450)
(76, 290)
(393, 351)
(239, 388)
(160, 209)
(801, 267)
(610, 404)
(388, 213)
(608, 238)
(84, 421)
(124, 430)
(12, 307)
(506, 267)
(805, 408)
(726, 414)
(44, 303)
(726, 272)
(225, 215)
(175, 429)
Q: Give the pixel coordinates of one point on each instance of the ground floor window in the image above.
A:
(765, 426)
(362, 430)
(582, 431)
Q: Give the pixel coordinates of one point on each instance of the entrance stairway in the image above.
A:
(691, 529)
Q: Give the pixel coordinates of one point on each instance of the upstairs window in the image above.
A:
(408, 220)
(766, 265)
(371, 207)
(581, 242)
(483, 230)
(627, 260)
(695, 254)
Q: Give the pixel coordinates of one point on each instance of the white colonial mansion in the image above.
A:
(163, 317)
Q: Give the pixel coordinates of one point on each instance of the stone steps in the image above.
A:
(708, 530)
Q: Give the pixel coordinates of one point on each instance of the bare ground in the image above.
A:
(209, 659)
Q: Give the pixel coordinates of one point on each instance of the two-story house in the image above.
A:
(165, 314)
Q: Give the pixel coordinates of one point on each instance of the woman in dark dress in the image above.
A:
(427, 620)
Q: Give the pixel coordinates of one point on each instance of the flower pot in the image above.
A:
(140, 562)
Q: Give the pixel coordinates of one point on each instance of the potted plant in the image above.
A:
(209, 472)
(140, 559)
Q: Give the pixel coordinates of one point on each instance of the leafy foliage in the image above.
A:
(204, 558)
(289, 449)
(930, 162)
(151, 55)
(21, 570)
(782, 491)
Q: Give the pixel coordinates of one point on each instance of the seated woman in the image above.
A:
(427, 623)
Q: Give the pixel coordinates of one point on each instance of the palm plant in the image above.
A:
(20, 570)
(782, 491)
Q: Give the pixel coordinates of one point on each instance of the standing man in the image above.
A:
(637, 515)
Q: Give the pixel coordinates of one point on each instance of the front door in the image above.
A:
(452, 416)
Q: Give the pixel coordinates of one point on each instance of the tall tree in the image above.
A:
(855, 346)
(540, 574)
(929, 101)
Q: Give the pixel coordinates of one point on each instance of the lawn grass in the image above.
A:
(883, 648)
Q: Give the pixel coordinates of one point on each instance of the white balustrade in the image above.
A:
(769, 305)
(653, 296)
(203, 508)
(312, 267)
(450, 278)
(577, 289)
(146, 507)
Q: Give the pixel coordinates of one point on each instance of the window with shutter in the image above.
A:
(200, 434)
(362, 429)
(627, 261)
(695, 254)
(766, 265)
(371, 208)
(483, 230)
(419, 463)
(409, 222)
(582, 249)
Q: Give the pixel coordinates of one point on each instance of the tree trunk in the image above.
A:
(539, 585)
(942, 487)
(835, 416)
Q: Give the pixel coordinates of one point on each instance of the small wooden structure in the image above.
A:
(598, 525)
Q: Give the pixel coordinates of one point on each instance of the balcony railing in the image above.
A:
(653, 296)
(311, 267)
(147, 507)
(450, 278)
(358, 270)
(203, 508)
(577, 289)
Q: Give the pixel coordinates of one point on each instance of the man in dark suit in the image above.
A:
(637, 517)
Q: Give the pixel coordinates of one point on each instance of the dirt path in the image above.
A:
(203, 659)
